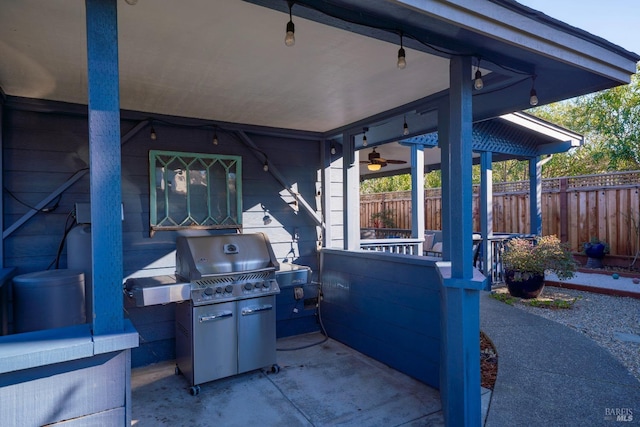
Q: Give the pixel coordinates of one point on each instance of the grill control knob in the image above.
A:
(228, 289)
(218, 290)
(266, 284)
(208, 291)
(248, 286)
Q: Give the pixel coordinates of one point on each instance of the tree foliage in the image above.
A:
(609, 122)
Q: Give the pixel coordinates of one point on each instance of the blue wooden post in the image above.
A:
(417, 193)
(105, 167)
(351, 192)
(445, 172)
(535, 196)
(486, 212)
(459, 298)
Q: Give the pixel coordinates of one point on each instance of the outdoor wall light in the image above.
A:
(290, 38)
(402, 57)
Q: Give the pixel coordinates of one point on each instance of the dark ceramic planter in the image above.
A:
(594, 253)
(526, 289)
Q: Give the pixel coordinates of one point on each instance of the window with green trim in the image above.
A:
(194, 190)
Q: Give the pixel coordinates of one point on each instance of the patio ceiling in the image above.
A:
(226, 62)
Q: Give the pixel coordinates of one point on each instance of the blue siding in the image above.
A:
(386, 306)
(42, 150)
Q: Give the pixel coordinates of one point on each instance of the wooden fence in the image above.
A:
(573, 208)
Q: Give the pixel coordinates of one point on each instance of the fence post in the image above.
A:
(564, 215)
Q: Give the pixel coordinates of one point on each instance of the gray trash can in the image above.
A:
(48, 299)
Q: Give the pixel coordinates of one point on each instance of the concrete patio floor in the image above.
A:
(323, 385)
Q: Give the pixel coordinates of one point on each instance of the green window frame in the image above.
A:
(194, 190)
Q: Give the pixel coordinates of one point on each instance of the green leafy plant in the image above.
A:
(505, 298)
(383, 219)
(527, 258)
(552, 304)
(595, 242)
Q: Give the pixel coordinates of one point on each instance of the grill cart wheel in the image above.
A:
(275, 369)
(195, 390)
(177, 370)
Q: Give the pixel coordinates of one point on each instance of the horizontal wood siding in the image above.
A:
(43, 150)
(386, 306)
(67, 391)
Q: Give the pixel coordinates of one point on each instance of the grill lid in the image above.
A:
(198, 257)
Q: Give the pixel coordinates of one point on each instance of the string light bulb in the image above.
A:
(533, 95)
(215, 137)
(333, 149)
(364, 137)
(478, 84)
(152, 134)
(265, 166)
(402, 57)
(290, 38)
(405, 127)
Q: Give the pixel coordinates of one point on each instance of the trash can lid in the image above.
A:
(50, 278)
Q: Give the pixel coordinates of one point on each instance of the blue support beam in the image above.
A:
(351, 192)
(417, 193)
(459, 294)
(445, 168)
(486, 212)
(105, 165)
(535, 195)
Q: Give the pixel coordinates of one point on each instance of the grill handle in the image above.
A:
(255, 310)
(216, 316)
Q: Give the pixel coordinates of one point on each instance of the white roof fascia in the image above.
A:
(508, 26)
(543, 127)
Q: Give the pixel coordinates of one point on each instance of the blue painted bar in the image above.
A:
(385, 306)
(105, 166)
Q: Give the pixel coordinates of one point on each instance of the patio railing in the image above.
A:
(408, 245)
(393, 245)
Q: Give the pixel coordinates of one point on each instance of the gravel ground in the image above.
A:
(613, 322)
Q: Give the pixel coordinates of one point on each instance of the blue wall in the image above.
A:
(385, 306)
(45, 143)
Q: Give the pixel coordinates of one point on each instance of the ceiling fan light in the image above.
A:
(374, 166)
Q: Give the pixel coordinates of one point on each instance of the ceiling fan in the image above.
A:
(376, 162)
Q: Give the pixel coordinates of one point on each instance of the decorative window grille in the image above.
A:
(194, 190)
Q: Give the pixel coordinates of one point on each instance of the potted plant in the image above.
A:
(525, 262)
(595, 249)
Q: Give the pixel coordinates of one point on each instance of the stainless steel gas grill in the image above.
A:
(228, 325)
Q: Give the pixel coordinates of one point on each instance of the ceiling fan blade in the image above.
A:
(396, 162)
